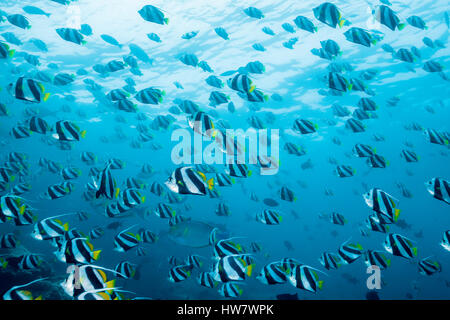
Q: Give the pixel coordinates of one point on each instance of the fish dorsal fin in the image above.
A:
(103, 275)
(202, 175)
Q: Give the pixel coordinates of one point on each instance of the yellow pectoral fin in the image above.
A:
(83, 133)
(96, 254)
(66, 226)
(211, 183)
(320, 284)
(111, 284)
(397, 213)
(250, 270)
(46, 96)
(38, 298)
(117, 192)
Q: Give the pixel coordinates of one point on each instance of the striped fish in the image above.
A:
(400, 246)
(77, 251)
(306, 278)
(386, 16)
(202, 123)
(439, 189)
(241, 83)
(185, 180)
(90, 277)
(269, 217)
(225, 247)
(383, 203)
(350, 252)
(330, 261)
(28, 90)
(125, 270)
(304, 126)
(71, 35)
(230, 290)
(273, 273)
(125, 240)
(329, 14)
(343, 171)
(428, 267)
(206, 279)
(376, 258)
(179, 273)
(68, 131)
(232, 268)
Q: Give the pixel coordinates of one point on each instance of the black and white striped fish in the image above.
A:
(225, 247)
(238, 170)
(68, 131)
(427, 266)
(376, 258)
(28, 90)
(269, 217)
(164, 211)
(306, 278)
(329, 14)
(399, 245)
(107, 185)
(287, 194)
(377, 161)
(179, 273)
(350, 252)
(330, 261)
(344, 171)
(230, 290)
(125, 269)
(386, 16)
(439, 188)
(241, 83)
(71, 35)
(206, 279)
(383, 203)
(232, 268)
(185, 180)
(304, 126)
(126, 240)
(363, 150)
(273, 273)
(77, 251)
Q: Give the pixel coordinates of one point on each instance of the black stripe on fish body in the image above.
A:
(19, 93)
(93, 277)
(35, 91)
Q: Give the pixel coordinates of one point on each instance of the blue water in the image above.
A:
(298, 77)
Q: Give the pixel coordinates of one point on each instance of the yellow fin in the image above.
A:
(46, 96)
(117, 192)
(250, 270)
(83, 133)
(111, 284)
(96, 254)
(38, 298)
(103, 274)
(66, 226)
(211, 183)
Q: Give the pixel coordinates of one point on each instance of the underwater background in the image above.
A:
(413, 104)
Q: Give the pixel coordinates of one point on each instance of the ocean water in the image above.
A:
(296, 85)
